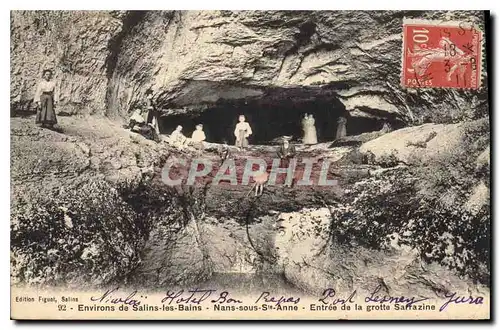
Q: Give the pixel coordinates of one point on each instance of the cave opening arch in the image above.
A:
(270, 119)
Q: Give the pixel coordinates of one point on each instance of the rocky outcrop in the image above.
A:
(233, 55)
(44, 162)
(71, 220)
(422, 144)
(414, 144)
(312, 260)
(75, 44)
(194, 59)
(88, 209)
(88, 206)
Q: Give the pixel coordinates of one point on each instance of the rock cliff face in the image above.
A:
(74, 44)
(86, 206)
(194, 60)
(89, 209)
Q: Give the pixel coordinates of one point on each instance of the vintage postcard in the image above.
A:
(250, 165)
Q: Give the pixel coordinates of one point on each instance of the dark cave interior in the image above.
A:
(269, 120)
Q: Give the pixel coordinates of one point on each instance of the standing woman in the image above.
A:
(45, 99)
(304, 127)
(341, 128)
(242, 132)
(310, 136)
(152, 118)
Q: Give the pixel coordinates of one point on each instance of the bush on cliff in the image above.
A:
(424, 207)
(85, 237)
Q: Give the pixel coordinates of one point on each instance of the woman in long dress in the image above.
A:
(341, 128)
(152, 117)
(242, 132)
(46, 100)
(310, 135)
(304, 123)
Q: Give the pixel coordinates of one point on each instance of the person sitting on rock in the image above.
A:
(149, 132)
(286, 150)
(137, 124)
(198, 135)
(178, 139)
(136, 119)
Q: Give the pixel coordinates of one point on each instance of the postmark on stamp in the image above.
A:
(441, 54)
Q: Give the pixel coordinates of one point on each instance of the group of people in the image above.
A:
(241, 132)
(309, 128)
(148, 124)
(180, 141)
(149, 127)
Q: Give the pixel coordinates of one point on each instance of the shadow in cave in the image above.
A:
(269, 120)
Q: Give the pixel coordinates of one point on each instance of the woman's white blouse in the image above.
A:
(46, 86)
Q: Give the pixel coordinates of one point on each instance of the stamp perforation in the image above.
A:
(459, 52)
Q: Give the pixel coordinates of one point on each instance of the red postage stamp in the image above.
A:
(441, 54)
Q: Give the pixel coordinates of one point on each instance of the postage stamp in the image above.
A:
(441, 54)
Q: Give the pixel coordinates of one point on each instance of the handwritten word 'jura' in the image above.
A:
(454, 299)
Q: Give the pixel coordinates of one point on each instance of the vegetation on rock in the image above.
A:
(423, 207)
(89, 236)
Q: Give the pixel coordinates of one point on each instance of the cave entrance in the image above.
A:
(269, 120)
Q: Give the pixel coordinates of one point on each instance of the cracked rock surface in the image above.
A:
(106, 218)
(88, 205)
(192, 59)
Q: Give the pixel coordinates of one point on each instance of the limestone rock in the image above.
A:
(415, 144)
(72, 43)
(480, 196)
(313, 262)
(484, 158)
(193, 59)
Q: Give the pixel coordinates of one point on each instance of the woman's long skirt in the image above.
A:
(46, 115)
(152, 119)
(310, 135)
(341, 131)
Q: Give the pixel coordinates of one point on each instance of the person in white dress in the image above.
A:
(198, 137)
(242, 132)
(310, 135)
